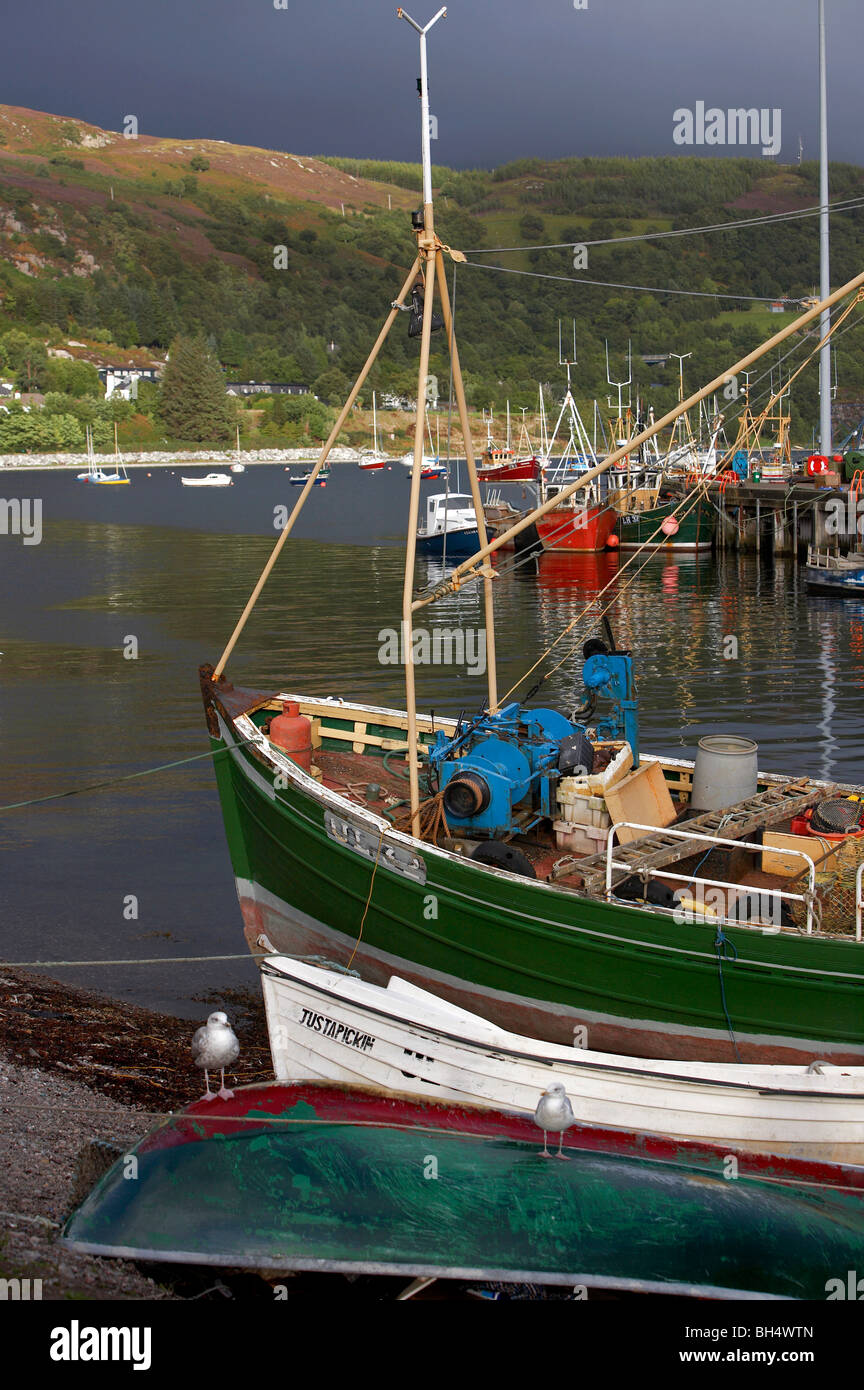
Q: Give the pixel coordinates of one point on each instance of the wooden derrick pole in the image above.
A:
(427, 244)
(459, 388)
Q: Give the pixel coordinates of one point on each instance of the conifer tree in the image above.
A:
(193, 403)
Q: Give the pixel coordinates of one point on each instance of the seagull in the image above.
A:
(215, 1045)
(554, 1112)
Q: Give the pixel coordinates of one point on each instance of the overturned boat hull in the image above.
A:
(325, 1178)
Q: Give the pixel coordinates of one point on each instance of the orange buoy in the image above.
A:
(292, 732)
(669, 526)
(613, 542)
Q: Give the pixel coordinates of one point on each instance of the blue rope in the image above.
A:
(726, 948)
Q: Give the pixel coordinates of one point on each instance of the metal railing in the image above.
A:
(714, 840)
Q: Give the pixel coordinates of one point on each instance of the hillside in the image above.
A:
(114, 245)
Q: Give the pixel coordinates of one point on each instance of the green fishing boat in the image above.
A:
(338, 1179)
(482, 888)
(319, 872)
(693, 527)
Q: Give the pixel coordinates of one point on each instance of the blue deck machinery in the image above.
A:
(499, 772)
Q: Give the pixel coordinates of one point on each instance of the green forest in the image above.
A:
(293, 290)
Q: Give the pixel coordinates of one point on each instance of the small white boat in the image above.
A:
(238, 468)
(209, 480)
(333, 1026)
(98, 475)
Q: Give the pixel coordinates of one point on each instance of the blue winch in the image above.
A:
(499, 772)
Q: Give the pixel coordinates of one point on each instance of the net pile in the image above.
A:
(834, 908)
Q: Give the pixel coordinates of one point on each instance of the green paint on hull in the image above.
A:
(695, 528)
(526, 939)
(399, 1186)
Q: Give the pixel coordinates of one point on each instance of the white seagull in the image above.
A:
(554, 1113)
(215, 1045)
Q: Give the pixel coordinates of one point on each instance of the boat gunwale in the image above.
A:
(252, 739)
(414, 1270)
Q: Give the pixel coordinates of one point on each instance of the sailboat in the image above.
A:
(484, 887)
(372, 461)
(95, 474)
(238, 466)
(431, 465)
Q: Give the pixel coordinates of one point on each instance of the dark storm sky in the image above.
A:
(508, 77)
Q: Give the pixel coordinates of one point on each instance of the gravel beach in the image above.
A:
(80, 1077)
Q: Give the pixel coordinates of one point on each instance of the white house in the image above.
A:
(123, 381)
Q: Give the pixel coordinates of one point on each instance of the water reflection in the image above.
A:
(74, 710)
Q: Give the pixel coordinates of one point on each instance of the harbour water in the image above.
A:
(723, 644)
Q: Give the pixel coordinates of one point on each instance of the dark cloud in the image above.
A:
(508, 77)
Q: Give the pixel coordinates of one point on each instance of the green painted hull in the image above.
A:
(536, 959)
(310, 1177)
(695, 528)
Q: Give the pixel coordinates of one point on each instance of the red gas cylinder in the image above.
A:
(292, 732)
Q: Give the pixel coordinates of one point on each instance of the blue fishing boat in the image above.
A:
(839, 575)
(451, 525)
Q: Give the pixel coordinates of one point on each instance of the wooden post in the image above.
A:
(459, 388)
(322, 459)
(428, 250)
(795, 529)
(758, 528)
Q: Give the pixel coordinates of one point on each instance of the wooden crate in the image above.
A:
(789, 865)
(644, 797)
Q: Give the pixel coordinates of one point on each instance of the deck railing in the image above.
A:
(714, 840)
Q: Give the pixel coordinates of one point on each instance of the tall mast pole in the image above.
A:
(824, 264)
(426, 249)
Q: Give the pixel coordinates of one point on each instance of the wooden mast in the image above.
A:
(426, 245)
(488, 573)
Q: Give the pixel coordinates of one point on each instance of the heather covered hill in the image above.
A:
(286, 264)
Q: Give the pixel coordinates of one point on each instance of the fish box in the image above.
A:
(580, 839)
(774, 861)
(642, 797)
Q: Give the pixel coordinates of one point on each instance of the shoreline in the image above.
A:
(83, 1076)
(163, 459)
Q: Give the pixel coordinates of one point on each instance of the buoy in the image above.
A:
(292, 732)
(669, 526)
(817, 463)
(613, 542)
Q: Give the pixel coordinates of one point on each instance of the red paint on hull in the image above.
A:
(577, 529)
(519, 471)
(358, 1105)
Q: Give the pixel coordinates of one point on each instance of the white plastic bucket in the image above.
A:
(725, 772)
